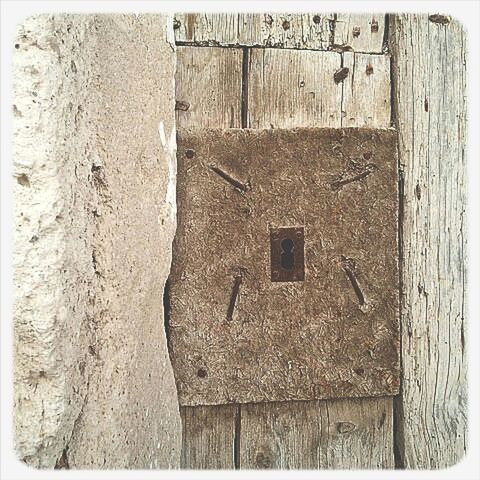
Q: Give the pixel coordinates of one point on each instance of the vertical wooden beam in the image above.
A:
(208, 86)
(300, 89)
(366, 90)
(430, 108)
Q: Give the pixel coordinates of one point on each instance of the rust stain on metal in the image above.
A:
(287, 254)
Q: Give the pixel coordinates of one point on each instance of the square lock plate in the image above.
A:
(284, 281)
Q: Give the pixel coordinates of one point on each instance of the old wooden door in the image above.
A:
(322, 70)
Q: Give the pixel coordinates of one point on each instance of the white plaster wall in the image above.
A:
(93, 382)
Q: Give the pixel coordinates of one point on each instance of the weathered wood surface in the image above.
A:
(208, 437)
(281, 101)
(310, 30)
(360, 32)
(430, 104)
(208, 87)
(428, 66)
(213, 101)
(366, 90)
(344, 434)
(367, 434)
(290, 88)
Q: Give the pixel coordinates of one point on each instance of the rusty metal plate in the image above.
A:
(236, 333)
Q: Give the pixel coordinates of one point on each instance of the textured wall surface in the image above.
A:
(94, 163)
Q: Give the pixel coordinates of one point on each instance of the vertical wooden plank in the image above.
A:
(288, 88)
(333, 433)
(208, 87)
(360, 32)
(306, 31)
(366, 90)
(430, 104)
(347, 433)
(208, 437)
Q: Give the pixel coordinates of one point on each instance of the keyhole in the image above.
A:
(287, 257)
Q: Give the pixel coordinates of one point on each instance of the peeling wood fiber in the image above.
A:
(333, 335)
(429, 78)
(306, 31)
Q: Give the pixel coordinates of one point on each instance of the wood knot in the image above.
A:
(345, 427)
(374, 26)
(356, 32)
(441, 19)
(263, 460)
(286, 25)
(340, 75)
(317, 19)
(181, 105)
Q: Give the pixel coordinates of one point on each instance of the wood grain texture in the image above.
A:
(366, 90)
(214, 101)
(288, 88)
(308, 31)
(346, 434)
(360, 32)
(430, 104)
(296, 444)
(208, 87)
(208, 437)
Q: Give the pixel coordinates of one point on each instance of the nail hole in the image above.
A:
(23, 180)
(202, 373)
(189, 153)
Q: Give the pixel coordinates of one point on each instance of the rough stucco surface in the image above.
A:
(335, 334)
(94, 161)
